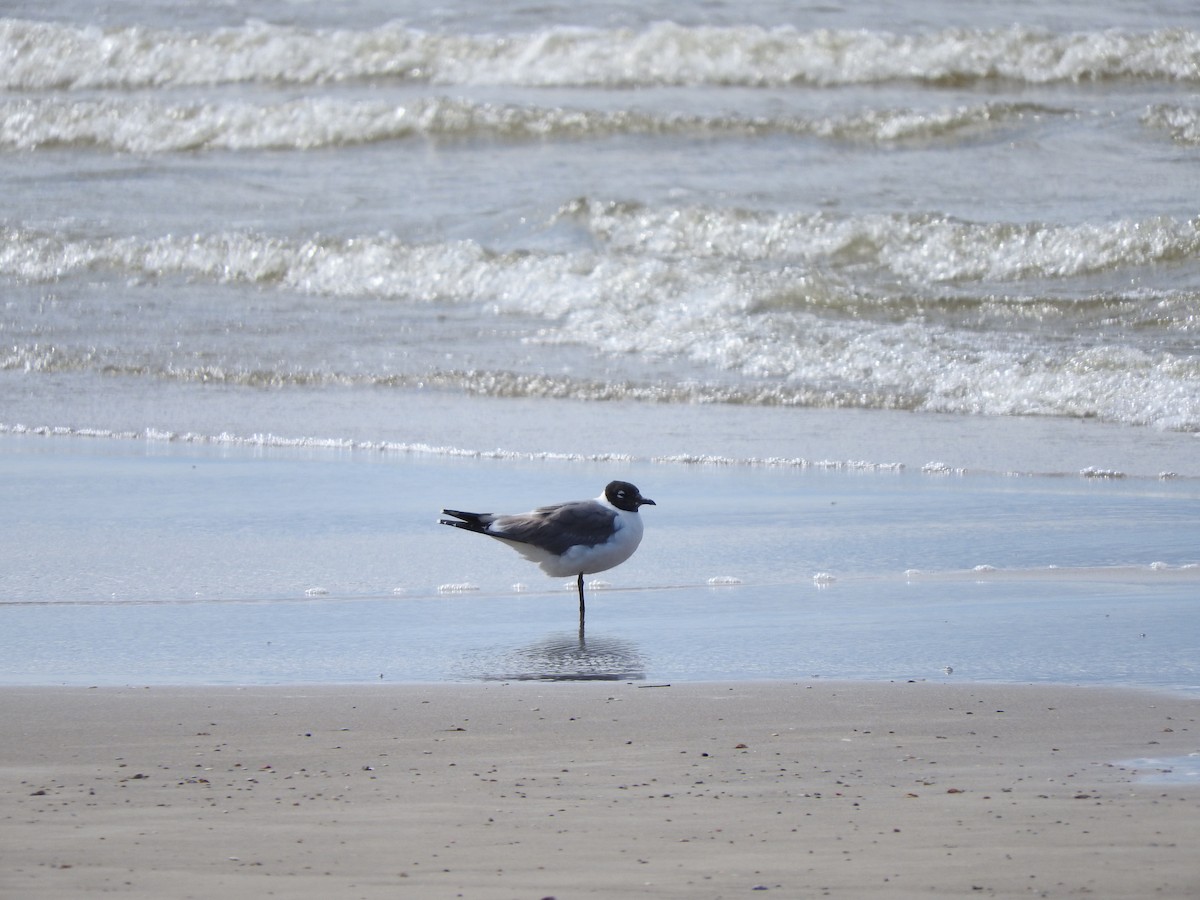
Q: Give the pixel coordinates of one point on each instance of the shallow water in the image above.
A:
(185, 564)
(1091, 632)
(1166, 770)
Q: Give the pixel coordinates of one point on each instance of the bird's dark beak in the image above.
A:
(645, 501)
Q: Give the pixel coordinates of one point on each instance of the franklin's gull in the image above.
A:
(577, 538)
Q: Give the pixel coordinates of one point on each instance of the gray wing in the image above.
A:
(557, 528)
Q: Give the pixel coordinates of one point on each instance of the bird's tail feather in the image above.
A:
(477, 522)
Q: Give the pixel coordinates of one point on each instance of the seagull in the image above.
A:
(577, 538)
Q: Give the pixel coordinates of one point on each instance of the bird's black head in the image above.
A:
(624, 495)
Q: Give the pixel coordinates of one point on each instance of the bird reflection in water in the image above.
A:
(572, 657)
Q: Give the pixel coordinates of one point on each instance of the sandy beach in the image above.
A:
(799, 789)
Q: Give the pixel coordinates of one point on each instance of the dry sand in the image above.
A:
(594, 790)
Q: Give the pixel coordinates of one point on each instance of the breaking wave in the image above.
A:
(146, 126)
(43, 56)
(771, 249)
(921, 248)
(915, 312)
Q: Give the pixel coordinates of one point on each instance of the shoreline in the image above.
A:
(595, 790)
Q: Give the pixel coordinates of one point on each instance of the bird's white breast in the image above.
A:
(627, 534)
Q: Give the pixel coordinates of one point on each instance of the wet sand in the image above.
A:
(595, 790)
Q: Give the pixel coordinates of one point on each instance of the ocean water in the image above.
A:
(280, 279)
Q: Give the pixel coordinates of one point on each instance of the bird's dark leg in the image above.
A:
(580, 609)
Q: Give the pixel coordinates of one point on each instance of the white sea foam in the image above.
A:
(283, 442)
(1094, 472)
(940, 468)
(917, 247)
(1181, 123)
(148, 125)
(42, 55)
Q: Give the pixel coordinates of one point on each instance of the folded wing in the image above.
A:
(558, 528)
